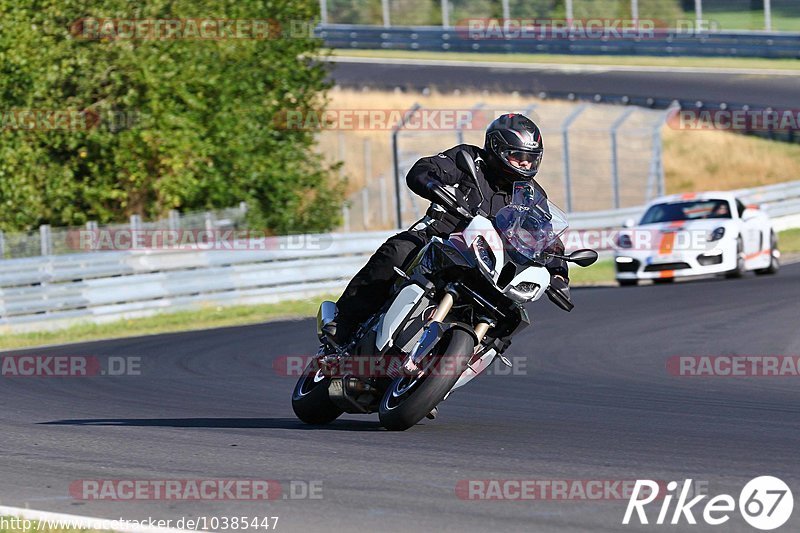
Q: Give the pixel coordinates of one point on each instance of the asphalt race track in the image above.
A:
(595, 403)
(747, 88)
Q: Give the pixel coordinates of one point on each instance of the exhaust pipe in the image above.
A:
(325, 315)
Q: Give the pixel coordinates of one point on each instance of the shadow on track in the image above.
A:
(241, 423)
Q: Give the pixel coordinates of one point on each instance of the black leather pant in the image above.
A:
(372, 286)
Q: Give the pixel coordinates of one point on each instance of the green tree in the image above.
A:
(184, 123)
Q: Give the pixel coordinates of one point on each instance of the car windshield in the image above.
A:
(530, 224)
(687, 210)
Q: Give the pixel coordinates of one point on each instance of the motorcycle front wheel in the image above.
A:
(408, 399)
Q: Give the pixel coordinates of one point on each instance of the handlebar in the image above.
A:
(447, 199)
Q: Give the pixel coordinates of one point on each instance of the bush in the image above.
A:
(183, 123)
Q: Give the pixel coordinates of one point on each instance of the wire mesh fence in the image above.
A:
(597, 157)
(781, 15)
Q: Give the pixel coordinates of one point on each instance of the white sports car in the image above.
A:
(696, 234)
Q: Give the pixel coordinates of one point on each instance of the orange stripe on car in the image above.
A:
(667, 274)
(757, 254)
(668, 239)
(667, 244)
(689, 196)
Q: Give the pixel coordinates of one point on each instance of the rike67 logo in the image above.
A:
(765, 503)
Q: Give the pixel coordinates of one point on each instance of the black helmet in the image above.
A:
(514, 142)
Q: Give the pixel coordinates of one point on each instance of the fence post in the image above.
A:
(396, 155)
(635, 12)
(340, 150)
(460, 127)
(656, 177)
(567, 177)
(323, 11)
(136, 222)
(384, 199)
(346, 217)
(768, 15)
(45, 239)
(506, 12)
(445, 13)
(2, 245)
(365, 207)
(209, 220)
(570, 12)
(173, 220)
(698, 14)
(615, 153)
(367, 161)
(387, 22)
(93, 228)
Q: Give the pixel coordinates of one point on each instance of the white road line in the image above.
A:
(571, 68)
(84, 522)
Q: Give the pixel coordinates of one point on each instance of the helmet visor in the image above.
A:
(522, 160)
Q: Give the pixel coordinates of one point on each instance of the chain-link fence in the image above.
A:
(782, 15)
(597, 157)
(66, 240)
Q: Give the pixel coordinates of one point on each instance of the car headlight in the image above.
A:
(526, 287)
(717, 234)
(485, 253)
(624, 241)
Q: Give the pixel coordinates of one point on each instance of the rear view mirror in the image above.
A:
(466, 164)
(583, 258)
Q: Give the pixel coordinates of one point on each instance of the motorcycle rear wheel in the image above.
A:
(310, 400)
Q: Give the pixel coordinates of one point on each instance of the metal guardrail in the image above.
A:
(59, 290)
(661, 43)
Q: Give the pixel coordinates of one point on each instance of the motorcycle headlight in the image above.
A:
(624, 241)
(527, 287)
(485, 253)
(716, 235)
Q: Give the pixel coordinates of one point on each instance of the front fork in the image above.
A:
(433, 333)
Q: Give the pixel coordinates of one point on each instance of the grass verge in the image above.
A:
(789, 241)
(211, 317)
(564, 59)
(600, 273)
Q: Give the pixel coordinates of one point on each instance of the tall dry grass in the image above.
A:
(714, 160)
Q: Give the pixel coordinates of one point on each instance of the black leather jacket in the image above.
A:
(442, 168)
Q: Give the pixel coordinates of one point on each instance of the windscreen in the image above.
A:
(690, 210)
(530, 225)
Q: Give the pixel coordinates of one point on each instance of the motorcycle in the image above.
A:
(454, 311)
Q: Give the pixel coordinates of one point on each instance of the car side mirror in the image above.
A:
(750, 212)
(629, 223)
(583, 258)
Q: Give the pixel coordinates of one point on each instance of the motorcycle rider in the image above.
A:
(512, 152)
